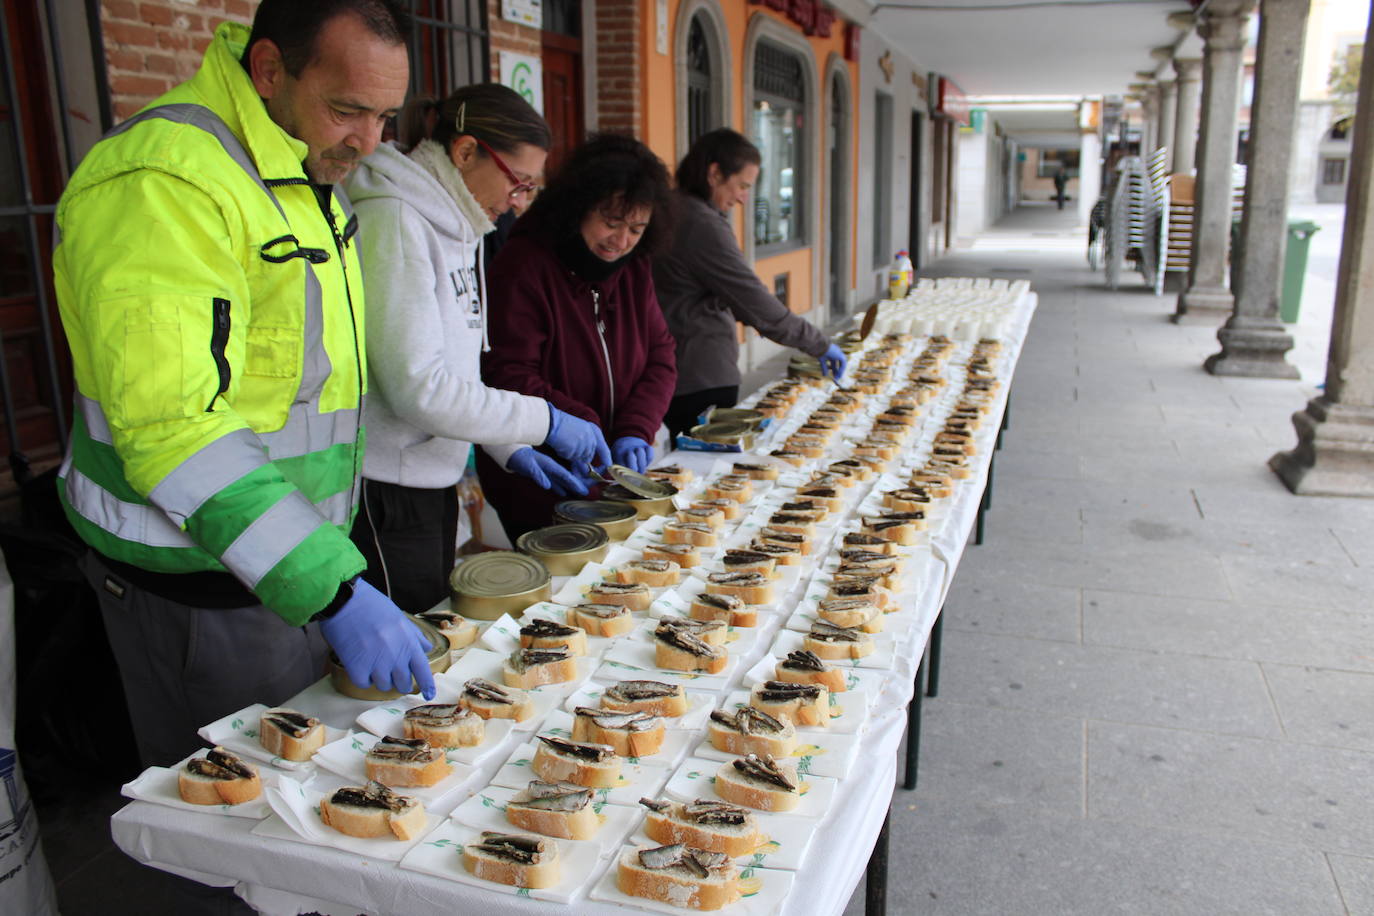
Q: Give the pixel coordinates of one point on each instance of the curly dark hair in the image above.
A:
(613, 173)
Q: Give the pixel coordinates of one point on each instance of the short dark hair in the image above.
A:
(294, 26)
(608, 171)
(725, 148)
(495, 114)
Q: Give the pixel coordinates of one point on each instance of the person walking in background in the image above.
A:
(422, 215)
(705, 284)
(212, 297)
(578, 322)
(1061, 181)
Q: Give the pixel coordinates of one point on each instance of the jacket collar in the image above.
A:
(431, 157)
(225, 87)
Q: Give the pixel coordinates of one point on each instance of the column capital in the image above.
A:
(1188, 69)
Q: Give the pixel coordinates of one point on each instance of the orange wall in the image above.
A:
(659, 99)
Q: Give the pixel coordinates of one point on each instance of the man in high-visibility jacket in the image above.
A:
(210, 291)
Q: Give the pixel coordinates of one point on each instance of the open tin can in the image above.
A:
(617, 518)
(565, 549)
(486, 585)
(729, 433)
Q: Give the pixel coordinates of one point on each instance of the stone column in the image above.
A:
(1149, 111)
(1189, 83)
(1253, 340)
(1223, 34)
(1164, 133)
(1335, 451)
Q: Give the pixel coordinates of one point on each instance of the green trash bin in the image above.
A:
(1300, 234)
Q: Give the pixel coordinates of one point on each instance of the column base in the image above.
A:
(1208, 301)
(1335, 451)
(1252, 350)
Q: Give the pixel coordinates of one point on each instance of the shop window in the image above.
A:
(1333, 171)
(779, 130)
(882, 179)
(449, 45)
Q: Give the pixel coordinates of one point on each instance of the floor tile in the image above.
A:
(1322, 706)
(1315, 797)
(1013, 609)
(1355, 882)
(1094, 682)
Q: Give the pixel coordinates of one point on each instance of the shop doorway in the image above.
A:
(915, 241)
(837, 159)
(561, 55)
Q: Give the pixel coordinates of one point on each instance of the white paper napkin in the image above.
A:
(763, 891)
(387, 719)
(238, 732)
(695, 778)
(487, 811)
(441, 854)
(347, 757)
(636, 779)
(297, 810)
(159, 785)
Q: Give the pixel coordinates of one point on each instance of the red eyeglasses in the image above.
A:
(520, 186)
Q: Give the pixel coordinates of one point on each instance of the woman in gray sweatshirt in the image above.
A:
(705, 285)
(422, 214)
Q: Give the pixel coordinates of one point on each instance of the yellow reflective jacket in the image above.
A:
(215, 316)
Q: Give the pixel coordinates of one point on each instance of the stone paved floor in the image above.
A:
(1158, 684)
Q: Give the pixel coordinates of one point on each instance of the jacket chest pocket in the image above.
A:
(273, 337)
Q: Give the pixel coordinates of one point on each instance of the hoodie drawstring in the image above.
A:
(482, 290)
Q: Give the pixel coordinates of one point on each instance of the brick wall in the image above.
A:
(151, 45)
(619, 107)
(508, 36)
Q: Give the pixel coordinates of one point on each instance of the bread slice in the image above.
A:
(756, 471)
(761, 783)
(749, 587)
(632, 734)
(653, 573)
(527, 668)
(674, 474)
(676, 531)
(901, 527)
(635, 596)
(711, 632)
(289, 734)
(678, 650)
(460, 631)
(795, 539)
(813, 511)
(796, 459)
(715, 826)
(860, 585)
(829, 497)
(517, 860)
(373, 811)
(444, 725)
(751, 731)
(803, 667)
(541, 633)
(728, 507)
(406, 762)
(800, 704)
(865, 541)
(730, 486)
(594, 765)
(831, 642)
(783, 554)
(684, 555)
(660, 874)
(494, 701)
(739, 559)
(793, 523)
(601, 619)
(561, 809)
(728, 609)
(706, 515)
(860, 613)
(653, 697)
(218, 778)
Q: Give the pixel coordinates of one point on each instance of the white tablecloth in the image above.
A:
(281, 877)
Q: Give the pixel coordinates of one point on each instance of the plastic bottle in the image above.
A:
(899, 277)
(904, 262)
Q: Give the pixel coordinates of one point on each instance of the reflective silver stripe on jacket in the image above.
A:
(212, 468)
(128, 521)
(271, 536)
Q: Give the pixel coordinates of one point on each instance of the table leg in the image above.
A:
(875, 878)
(937, 636)
(913, 729)
(978, 526)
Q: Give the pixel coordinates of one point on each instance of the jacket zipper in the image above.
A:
(219, 339)
(605, 351)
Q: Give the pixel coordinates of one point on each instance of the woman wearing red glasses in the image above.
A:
(423, 207)
(579, 323)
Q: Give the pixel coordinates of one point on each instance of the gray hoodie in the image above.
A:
(419, 232)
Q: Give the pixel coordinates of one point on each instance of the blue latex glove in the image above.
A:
(576, 441)
(546, 472)
(378, 644)
(833, 362)
(633, 452)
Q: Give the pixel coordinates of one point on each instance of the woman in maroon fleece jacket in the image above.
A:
(575, 320)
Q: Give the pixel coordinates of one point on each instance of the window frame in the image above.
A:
(423, 71)
(712, 19)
